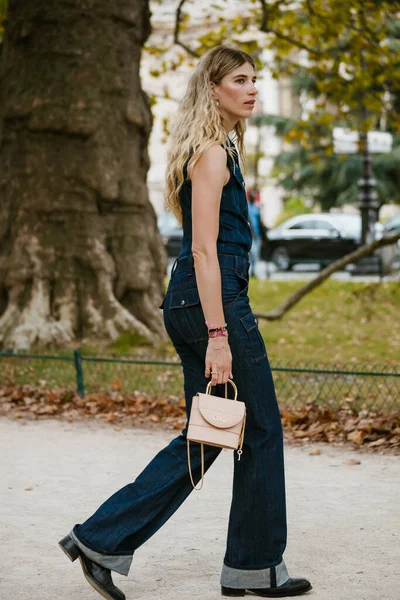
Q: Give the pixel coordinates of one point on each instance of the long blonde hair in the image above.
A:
(198, 124)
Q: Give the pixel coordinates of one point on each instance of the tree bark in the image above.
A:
(339, 264)
(81, 257)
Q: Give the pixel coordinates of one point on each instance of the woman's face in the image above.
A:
(237, 93)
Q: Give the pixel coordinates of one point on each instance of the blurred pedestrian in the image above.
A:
(256, 234)
(208, 317)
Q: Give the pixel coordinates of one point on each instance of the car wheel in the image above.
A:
(281, 258)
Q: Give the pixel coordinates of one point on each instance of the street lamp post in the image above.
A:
(352, 142)
(369, 207)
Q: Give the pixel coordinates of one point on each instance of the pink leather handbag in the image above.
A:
(216, 421)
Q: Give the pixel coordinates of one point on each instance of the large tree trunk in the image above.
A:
(81, 257)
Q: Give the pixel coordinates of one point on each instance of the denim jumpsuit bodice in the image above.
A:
(234, 236)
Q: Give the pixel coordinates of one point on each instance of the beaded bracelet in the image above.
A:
(218, 333)
(214, 331)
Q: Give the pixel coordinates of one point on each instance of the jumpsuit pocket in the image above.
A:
(255, 339)
(184, 298)
(187, 315)
(234, 284)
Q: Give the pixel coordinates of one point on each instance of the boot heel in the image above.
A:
(68, 545)
(232, 591)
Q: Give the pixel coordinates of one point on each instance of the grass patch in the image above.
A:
(341, 322)
(126, 341)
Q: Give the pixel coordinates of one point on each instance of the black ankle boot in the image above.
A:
(292, 587)
(99, 577)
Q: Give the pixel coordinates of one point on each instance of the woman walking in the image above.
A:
(208, 291)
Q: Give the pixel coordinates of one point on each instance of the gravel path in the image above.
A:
(343, 520)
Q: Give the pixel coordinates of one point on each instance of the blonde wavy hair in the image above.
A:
(199, 124)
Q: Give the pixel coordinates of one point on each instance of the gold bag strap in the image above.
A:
(240, 451)
(190, 467)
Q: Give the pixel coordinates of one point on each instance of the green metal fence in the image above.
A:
(375, 387)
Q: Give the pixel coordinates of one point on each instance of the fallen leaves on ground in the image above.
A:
(307, 423)
(318, 423)
(137, 408)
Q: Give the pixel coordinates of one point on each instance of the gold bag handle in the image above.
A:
(202, 445)
(209, 384)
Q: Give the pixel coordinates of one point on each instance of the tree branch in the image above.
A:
(362, 252)
(266, 29)
(178, 20)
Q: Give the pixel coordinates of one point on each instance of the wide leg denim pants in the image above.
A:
(257, 523)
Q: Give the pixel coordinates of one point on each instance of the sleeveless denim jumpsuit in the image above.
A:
(257, 522)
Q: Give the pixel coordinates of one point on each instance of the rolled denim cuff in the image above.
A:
(253, 578)
(119, 564)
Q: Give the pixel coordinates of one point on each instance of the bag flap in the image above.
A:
(221, 412)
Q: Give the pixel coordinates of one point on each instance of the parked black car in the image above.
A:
(171, 233)
(310, 238)
(313, 238)
(393, 226)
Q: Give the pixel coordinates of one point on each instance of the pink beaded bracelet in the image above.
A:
(219, 333)
(214, 331)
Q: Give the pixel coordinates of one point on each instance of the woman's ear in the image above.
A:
(214, 95)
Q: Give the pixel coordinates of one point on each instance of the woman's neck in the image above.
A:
(228, 122)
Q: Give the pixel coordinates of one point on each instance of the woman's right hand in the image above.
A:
(218, 358)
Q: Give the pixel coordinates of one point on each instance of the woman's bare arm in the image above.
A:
(208, 178)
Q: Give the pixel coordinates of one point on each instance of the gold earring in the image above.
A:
(217, 102)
